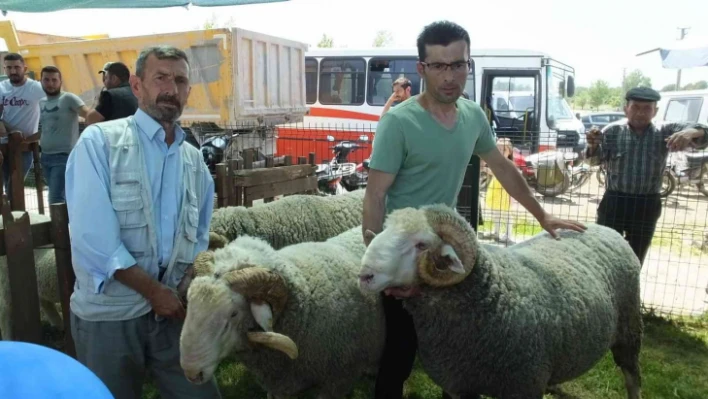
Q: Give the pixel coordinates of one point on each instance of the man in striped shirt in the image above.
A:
(634, 152)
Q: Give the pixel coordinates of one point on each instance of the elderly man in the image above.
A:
(634, 152)
(140, 201)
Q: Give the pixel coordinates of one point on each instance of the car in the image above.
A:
(601, 119)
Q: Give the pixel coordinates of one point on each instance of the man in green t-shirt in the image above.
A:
(420, 156)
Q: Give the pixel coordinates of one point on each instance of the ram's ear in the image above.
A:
(263, 314)
(451, 259)
(369, 235)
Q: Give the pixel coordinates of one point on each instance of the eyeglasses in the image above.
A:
(455, 67)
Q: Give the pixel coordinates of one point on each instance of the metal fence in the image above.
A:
(674, 277)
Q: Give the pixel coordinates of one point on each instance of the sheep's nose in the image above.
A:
(366, 278)
(195, 378)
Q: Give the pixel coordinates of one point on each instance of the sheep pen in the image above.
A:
(47, 283)
(294, 317)
(509, 322)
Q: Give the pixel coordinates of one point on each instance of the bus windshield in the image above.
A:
(557, 106)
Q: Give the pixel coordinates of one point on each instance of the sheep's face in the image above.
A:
(414, 247)
(218, 320)
(390, 261)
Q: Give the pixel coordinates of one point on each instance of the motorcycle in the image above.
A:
(669, 179)
(552, 173)
(339, 176)
(688, 168)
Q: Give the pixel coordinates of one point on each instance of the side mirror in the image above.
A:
(363, 137)
(330, 138)
(571, 86)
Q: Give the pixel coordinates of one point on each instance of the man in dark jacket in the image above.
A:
(116, 100)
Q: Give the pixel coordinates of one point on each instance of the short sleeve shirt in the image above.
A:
(21, 105)
(428, 159)
(60, 122)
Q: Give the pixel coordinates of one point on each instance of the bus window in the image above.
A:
(384, 71)
(342, 81)
(310, 80)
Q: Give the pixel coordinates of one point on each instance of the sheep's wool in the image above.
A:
(539, 312)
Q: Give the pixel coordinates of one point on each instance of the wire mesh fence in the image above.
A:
(675, 271)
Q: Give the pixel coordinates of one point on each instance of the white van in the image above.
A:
(683, 106)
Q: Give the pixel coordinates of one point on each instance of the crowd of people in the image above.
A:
(131, 173)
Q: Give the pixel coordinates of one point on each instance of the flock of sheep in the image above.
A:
(290, 290)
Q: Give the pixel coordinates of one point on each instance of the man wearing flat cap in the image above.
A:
(634, 152)
(117, 99)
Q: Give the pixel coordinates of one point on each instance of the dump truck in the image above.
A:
(242, 81)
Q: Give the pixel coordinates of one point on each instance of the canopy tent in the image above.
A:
(57, 5)
(688, 53)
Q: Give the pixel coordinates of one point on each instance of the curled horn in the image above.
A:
(217, 241)
(260, 284)
(433, 266)
(275, 341)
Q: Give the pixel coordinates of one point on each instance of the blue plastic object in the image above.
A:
(30, 371)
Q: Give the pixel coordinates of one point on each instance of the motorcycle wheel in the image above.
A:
(668, 184)
(579, 181)
(600, 176)
(554, 191)
(703, 185)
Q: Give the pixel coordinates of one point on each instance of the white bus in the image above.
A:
(346, 90)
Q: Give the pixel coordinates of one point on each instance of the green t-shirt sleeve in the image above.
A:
(389, 149)
(486, 141)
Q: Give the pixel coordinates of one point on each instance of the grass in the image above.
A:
(674, 361)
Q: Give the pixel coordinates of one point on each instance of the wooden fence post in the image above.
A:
(269, 163)
(222, 185)
(22, 276)
(17, 183)
(39, 182)
(65, 270)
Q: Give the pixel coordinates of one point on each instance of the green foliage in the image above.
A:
(383, 38)
(326, 41)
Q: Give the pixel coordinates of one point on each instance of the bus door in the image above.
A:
(512, 100)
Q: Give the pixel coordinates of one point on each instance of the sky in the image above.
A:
(599, 38)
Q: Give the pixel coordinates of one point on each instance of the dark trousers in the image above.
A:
(399, 352)
(633, 216)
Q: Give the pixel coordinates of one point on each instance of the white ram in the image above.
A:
(509, 322)
(294, 317)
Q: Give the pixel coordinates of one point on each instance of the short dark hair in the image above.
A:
(441, 33)
(161, 52)
(50, 69)
(120, 70)
(13, 57)
(403, 82)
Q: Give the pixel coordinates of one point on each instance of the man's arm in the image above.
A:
(387, 157)
(95, 232)
(514, 184)
(78, 106)
(375, 202)
(102, 110)
(680, 136)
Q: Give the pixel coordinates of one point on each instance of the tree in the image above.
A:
(635, 79)
(671, 87)
(599, 93)
(383, 38)
(700, 85)
(326, 42)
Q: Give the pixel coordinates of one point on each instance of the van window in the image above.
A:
(342, 81)
(683, 110)
(310, 80)
(384, 71)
